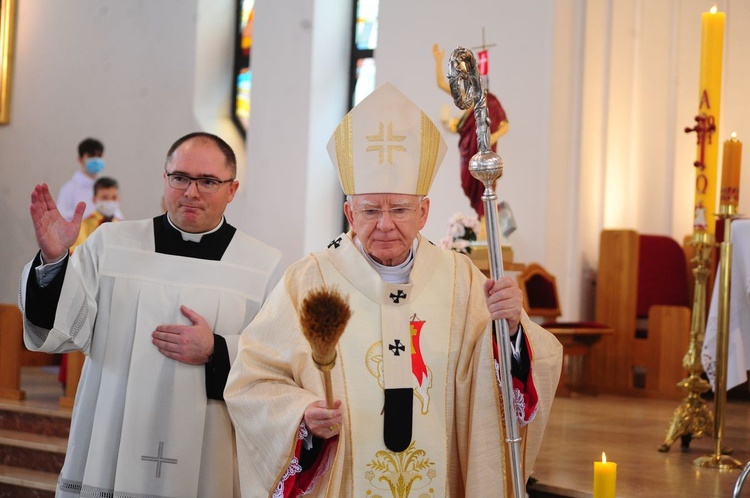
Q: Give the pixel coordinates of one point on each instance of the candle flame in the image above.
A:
(604, 458)
(713, 9)
(734, 135)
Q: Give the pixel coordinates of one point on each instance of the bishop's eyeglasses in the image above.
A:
(206, 185)
(396, 213)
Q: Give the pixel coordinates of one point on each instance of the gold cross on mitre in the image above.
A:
(381, 149)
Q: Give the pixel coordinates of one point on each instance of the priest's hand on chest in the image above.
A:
(191, 344)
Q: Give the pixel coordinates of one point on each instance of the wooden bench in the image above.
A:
(576, 343)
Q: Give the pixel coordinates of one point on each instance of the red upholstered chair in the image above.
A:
(662, 279)
(642, 293)
(541, 303)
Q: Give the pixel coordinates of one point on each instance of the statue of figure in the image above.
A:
(465, 126)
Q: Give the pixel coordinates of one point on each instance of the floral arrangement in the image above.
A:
(462, 230)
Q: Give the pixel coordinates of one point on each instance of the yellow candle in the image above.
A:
(605, 476)
(730, 172)
(712, 50)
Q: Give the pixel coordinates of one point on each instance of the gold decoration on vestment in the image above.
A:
(401, 472)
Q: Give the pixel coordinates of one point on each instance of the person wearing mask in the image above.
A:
(80, 187)
(106, 204)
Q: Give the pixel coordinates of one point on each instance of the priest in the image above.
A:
(157, 306)
(418, 410)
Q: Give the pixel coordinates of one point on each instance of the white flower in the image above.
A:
(461, 230)
(446, 242)
(472, 222)
(456, 230)
(461, 245)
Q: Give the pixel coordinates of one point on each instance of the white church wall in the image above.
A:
(564, 200)
(520, 76)
(300, 81)
(119, 71)
(214, 60)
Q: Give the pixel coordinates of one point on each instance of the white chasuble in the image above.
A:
(140, 419)
(456, 448)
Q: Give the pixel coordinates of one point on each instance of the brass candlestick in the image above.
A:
(716, 460)
(693, 418)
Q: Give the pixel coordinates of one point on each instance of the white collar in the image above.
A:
(194, 237)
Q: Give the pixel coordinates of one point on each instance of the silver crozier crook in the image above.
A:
(486, 166)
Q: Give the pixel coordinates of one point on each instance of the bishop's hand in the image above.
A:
(321, 421)
(54, 234)
(504, 300)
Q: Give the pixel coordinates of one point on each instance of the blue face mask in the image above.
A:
(94, 165)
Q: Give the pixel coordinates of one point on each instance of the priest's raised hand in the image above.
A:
(54, 234)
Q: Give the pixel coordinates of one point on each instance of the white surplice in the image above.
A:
(142, 425)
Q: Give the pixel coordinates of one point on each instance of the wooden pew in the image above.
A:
(643, 356)
(11, 347)
(14, 355)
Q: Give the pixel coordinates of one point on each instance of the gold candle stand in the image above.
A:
(717, 460)
(693, 418)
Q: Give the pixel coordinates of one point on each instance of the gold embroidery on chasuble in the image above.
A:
(401, 473)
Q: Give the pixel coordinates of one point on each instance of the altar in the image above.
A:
(739, 312)
(480, 257)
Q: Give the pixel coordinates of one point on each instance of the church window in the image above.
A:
(243, 76)
(365, 40)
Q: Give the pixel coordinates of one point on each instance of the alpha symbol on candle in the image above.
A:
(704, 100)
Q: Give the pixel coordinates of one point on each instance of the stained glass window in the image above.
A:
(362, 76)
(243, 76)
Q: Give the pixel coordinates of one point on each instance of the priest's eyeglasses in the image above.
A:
(206, 184)
(396, 213)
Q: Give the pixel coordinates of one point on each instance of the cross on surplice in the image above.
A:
(159, 459)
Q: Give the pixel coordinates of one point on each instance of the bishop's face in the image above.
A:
(195, 209)
(387, 224)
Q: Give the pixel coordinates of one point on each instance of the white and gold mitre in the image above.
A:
(386, 144)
